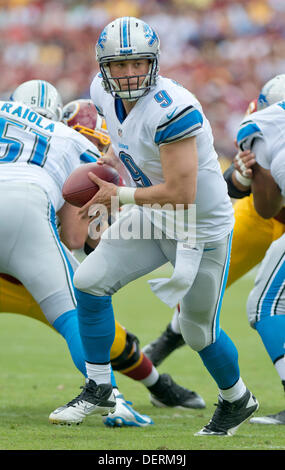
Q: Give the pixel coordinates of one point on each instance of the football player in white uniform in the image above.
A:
(159, 131)
(263, 169)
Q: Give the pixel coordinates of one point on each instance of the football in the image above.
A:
(78, 189)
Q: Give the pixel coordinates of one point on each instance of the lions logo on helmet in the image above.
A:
(128, 38)
(272, 92)
(42, 96)
(82, 116)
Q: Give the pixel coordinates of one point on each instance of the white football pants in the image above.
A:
(31, 250)
(267, 298)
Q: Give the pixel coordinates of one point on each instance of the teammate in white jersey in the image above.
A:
(262, 133)
(38, 153)
(158, 130)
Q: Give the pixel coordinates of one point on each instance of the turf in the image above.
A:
(37, 375)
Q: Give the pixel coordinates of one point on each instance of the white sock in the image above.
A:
(100, 373)
(151, 379)
(235, 392)
(175, 322)
(280, 367)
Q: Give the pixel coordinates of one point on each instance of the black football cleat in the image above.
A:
(229, 416)
(169, 394)
(163, 346)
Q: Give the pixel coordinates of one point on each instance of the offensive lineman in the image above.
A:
(159, 131)
(262, 134)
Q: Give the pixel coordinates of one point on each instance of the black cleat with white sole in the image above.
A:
(229, 416)
(94, 399)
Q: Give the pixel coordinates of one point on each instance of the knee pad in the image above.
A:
(195, 335)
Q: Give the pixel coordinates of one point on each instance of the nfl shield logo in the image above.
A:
(120, 132)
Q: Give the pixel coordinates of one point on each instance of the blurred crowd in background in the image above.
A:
(221, 50)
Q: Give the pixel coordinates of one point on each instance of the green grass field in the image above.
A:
(37, 375)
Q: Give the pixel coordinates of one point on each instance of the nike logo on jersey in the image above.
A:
(169, 116)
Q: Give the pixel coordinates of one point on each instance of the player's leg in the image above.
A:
(169, 340)
(266, 313)
(248, 249)
(252, 237)
(14, 298)
(127, 358)
(42, 266)
(120, 261)
(101, 274)
(199, 321)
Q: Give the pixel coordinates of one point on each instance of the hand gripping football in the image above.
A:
(78, 189)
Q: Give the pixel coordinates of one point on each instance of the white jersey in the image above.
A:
(40, 151)
(264, 130)
(168, 113)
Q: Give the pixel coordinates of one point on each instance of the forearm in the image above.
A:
(160, 194)
(267, 197)
(166, 194)
(73, 229)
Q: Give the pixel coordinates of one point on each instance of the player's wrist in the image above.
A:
(126, 195)
(243, 180)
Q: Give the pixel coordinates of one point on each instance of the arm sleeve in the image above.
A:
(178, 125)
(247, 133)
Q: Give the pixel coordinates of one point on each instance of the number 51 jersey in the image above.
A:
(40, 151)
(168, 113)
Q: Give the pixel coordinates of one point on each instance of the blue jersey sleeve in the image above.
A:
(179, 124)
(248, 131)
(88, 157)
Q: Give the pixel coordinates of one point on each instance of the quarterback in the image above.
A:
(159, 131)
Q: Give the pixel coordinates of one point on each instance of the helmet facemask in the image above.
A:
(144, 82)
(97, 136)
